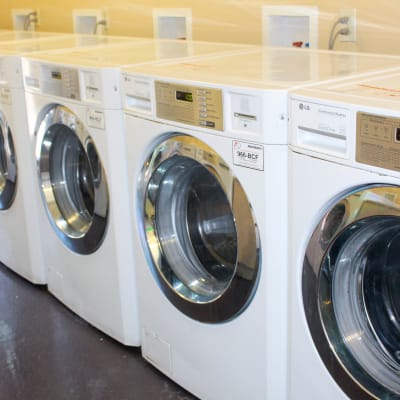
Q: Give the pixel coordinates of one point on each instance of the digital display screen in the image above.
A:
(56, 75)
(184, 96)
(397, 135)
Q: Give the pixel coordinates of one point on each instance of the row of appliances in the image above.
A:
(237, 342)
(196, 207)
(89, 256)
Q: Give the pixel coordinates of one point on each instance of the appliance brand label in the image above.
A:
(95, 119)
(248, 155)
(322, 118)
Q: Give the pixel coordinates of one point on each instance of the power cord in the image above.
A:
(102, 22)
(343, 31)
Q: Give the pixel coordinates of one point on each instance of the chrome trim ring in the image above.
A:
(350, 272)
(199, 228)
(8, 165)
(72, 179)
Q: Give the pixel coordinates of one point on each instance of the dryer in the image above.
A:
(19, 223)
(76, 124)
(345, 216)
(207, 166)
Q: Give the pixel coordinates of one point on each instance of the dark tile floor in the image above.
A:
(48, 353)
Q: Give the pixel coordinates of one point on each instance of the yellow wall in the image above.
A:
(221, 20)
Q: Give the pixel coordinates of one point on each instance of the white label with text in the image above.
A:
(249, 155)
(95, 119)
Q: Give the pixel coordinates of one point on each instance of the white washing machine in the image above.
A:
(207, 191)
(76, 122)
(20, 241)
(344, 218)
(207, 167)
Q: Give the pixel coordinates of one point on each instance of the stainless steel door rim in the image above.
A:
(73, 181)
(351, 280)
(200, 230)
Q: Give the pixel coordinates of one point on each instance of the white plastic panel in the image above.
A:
(89, 21)
(137, 93)
(289, 26)
(157, 351)
(172, 23)
(25, 19)
(320, 127)
(245, 112)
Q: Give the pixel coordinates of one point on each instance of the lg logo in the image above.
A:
(305, 107)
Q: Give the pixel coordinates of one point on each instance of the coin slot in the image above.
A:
(245, 116)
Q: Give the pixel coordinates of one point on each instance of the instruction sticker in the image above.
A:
(249, 155)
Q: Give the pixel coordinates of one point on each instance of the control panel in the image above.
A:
(60, 81)
(193, 105)
(378, 141)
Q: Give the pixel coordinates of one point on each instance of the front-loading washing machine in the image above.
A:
(207, 167)
(20, 248)
(344, 196)
(76, 124)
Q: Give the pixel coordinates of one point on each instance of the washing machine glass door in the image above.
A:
(351, 291)
(73, 181)
(8, 165)
(200, 230)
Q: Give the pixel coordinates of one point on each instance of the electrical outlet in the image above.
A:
(351, 25)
